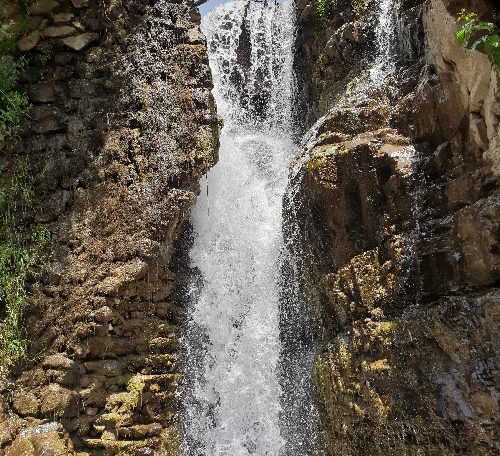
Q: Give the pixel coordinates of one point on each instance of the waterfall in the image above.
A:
(386, 41)
(234, 400)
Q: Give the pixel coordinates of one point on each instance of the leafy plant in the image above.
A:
(14, 105)
(325, 9)
(478, 35)
(19, 250)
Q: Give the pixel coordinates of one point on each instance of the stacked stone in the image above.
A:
(50, 19)
(123, 125)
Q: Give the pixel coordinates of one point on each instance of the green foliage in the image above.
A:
(13, 104)
(477, 35)
(19, 250)
(325, 9)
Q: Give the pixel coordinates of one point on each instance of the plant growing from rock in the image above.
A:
(20, 249)
(14, 105)
(478, 35)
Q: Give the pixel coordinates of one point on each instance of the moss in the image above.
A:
(375, 366)
(321, 154)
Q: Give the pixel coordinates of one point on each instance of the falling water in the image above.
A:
(234, 401)
(384, 62)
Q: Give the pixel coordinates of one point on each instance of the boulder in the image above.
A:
(25, 403)
(59, 402)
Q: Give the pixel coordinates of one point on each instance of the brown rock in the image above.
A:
(59, 402)
(81, 41)
(42, 93)
(57, 361)
(62, 17)
(41, 440)
(25, 403)
(29, 42)
(43, 7)
(8, 430)
(140, 431)
(33, 23)
(60, 31)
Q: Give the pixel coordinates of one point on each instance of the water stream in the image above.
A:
(234, 401)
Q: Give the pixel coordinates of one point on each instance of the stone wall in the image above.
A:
(399, 218)
(122, 127)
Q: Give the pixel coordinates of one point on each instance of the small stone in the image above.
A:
(42, 93)
(61, 31)
(78, 42)
(62, 17)
(29, 42)
(43, 7)
(79, 26)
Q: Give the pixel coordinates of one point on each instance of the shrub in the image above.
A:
(477, 35)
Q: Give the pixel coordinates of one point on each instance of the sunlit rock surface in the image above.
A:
(399, 211)
(123, 126)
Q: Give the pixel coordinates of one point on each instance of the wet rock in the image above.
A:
(194, 36)
(78, 42)
(9, 428)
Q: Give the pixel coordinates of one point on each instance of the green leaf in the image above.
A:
(460, 36)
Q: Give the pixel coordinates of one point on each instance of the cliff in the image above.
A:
(122, 126)
(398, 212)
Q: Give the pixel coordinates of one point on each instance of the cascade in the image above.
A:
(234, 401)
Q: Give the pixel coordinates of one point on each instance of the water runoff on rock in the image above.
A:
(233, 403)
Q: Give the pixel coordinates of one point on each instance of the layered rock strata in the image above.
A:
(399, 217)
(122, 127)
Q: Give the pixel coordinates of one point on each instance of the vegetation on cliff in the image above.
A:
(478, 35)
(20, 244)
(14, 105)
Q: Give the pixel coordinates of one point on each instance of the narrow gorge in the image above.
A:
(249, 228)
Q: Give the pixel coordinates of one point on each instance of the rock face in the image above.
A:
(399, 212)
(123, 126)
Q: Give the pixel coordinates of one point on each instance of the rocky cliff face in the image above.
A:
(399, 216)
(122, 127)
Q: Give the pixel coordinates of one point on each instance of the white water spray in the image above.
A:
(233, 404)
